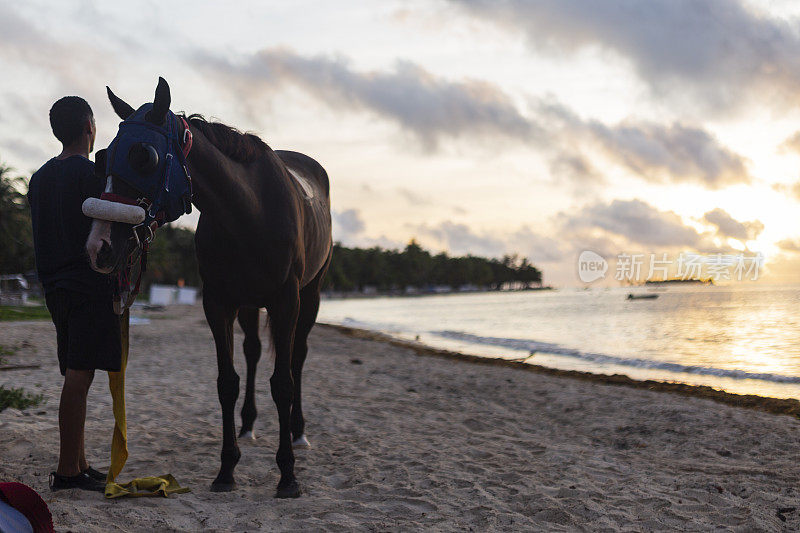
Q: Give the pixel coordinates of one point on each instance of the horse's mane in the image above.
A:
(240, 146)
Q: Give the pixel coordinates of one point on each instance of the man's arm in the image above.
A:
(92, 185)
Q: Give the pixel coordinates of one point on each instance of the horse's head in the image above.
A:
(147, 180)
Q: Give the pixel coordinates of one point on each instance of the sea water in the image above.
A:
(743, 339)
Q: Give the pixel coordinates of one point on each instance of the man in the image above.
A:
(79, 299)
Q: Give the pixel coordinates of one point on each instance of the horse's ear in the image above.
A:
(160, 103)
(121, 108)
(100, 163)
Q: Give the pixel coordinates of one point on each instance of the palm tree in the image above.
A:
(16, 237)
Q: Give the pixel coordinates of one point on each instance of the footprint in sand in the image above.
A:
(474, 425)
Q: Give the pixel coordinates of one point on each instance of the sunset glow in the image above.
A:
(476, 127)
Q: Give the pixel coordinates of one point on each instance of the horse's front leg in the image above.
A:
(220, 317)
(283, 321)
(248, 320)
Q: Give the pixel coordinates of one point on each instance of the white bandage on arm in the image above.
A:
(112, 211)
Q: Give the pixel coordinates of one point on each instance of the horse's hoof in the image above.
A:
(247, 435)
(221, 486)
(288, 490)
(301, 442)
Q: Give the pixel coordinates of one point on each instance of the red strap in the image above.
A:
(187, 137)
(111, 197)
(142, 268)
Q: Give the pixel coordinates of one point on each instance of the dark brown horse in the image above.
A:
(263, 240)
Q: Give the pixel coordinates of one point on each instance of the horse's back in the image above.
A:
(308, 168)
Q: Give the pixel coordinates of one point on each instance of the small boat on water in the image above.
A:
(632, 296)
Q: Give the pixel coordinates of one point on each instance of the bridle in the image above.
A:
(144, 232)
(179, 144)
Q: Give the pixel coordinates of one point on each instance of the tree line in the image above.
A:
(172, 257)
(354, 269)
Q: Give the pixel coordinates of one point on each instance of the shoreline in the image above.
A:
(355, 295)
(768, 404)
(779, 406)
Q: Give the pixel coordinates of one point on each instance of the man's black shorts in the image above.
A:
(87, 329)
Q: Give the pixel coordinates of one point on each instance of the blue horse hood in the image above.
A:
(162, 177)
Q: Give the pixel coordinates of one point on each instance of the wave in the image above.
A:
(373, 326)
(556, 349)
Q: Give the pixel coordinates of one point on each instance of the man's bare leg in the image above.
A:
(82, 462)
(71, 421)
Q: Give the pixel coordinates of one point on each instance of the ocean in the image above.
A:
(743, 339)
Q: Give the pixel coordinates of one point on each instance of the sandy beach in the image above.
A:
(405, 441)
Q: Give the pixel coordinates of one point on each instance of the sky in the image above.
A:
(487, 127)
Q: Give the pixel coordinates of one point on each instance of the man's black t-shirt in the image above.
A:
(60, 229)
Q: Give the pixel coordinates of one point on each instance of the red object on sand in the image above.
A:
(28, 502)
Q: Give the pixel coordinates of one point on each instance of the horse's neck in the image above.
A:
(223, 188)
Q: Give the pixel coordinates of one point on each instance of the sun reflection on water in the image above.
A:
(737, 328)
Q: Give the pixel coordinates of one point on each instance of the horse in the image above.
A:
(263, 240)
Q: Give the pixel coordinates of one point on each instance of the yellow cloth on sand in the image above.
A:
(145, 486)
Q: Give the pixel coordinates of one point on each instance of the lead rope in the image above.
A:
(124, 293)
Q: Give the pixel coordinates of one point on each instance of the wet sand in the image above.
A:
(404, 440)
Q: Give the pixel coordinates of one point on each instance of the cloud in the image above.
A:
(720, 51)
(432, 108)
(40, 63)
(27, 44)
(791, 144)
(728, 226)
(783, 268)
(460, 239)
(635, 221)
(655, 152)
(789, 245)
(791, 190)
(18, 38)
(672, 153)
(538, 247)
(347, 224)
(414, 198)
(24, 149)
(428, 106)
(350, 230)
(576, 168)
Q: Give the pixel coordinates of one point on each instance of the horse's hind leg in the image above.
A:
(248, 320)
(309, 306)
(283, 312)
(220, 318)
